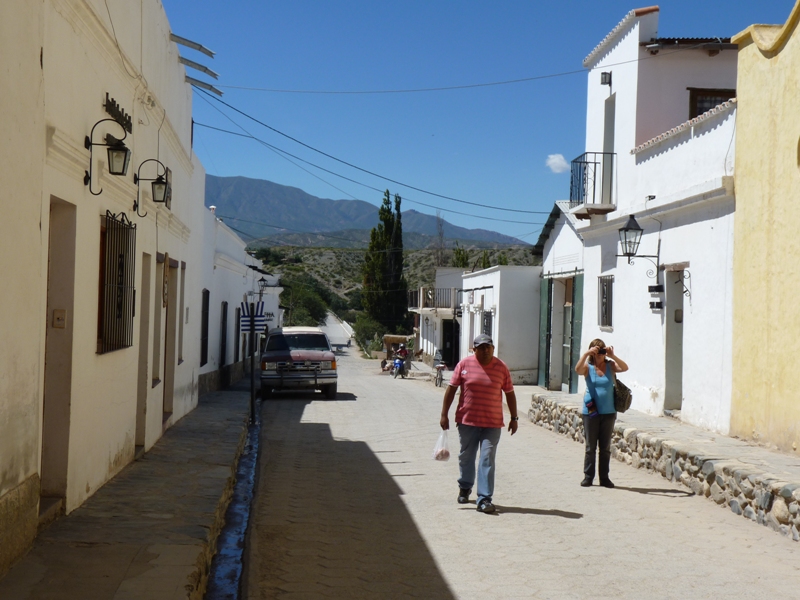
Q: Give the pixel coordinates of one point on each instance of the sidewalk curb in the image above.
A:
(199, 579)
(758, 495)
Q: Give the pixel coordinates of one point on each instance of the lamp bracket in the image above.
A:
(137, 180)
(89, 144)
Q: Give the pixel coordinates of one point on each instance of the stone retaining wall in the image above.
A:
(757, 495)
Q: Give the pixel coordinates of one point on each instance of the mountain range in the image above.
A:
(268, 213)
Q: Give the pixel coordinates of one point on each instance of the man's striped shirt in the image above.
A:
(481, 401)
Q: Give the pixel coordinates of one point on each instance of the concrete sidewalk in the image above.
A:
(151, 531)
(755, 482)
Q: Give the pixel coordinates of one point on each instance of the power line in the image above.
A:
(369, 187)
(454, 87)
(351, 165)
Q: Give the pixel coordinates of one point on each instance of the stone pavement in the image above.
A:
(351, 505)
(149, 533)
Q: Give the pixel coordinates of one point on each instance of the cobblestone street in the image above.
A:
(351, 505)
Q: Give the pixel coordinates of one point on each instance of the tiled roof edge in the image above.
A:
(626, 20)
(717, 110)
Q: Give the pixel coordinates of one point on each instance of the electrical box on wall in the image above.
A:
(656, 305)
(655, 289)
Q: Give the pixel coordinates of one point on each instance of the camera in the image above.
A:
(601, 351)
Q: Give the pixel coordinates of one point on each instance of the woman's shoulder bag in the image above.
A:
(622, 394)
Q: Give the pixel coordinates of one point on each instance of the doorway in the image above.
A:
(170, 299)
(144, 345)
(58, 354)
(673, 376)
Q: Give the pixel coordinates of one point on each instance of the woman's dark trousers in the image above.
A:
(598, 431)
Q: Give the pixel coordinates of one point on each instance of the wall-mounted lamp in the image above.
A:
(161, 185)
(119, 156)
(605, 78)
(427, 321)
(262, 285)
(629, 238)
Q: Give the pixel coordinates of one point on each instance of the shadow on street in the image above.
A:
(658, 492)
(329, 519)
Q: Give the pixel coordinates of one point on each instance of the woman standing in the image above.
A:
(598, 365)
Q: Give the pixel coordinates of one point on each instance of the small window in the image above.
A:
(702, 100)
(116, 291)
(487, 323)
(605, 300)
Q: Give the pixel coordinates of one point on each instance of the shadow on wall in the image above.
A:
(333, 502)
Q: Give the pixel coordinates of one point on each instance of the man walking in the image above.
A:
(479, 417)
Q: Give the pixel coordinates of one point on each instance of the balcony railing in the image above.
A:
(592, 179)
(432, 298)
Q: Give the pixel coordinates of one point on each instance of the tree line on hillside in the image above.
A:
(381, 305)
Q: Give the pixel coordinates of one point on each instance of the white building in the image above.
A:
(503, 302)
(439, 321)
(560, 323)
(102, 286)
(230, 277)
(660, 139)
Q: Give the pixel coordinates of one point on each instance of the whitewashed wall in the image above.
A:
(512, 294)
(563, 250)
(689, 172)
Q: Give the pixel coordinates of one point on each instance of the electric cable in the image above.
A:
(457, 87)
(367, 171)
(369, 187)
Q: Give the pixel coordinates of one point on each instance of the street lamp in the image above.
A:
(262, 285)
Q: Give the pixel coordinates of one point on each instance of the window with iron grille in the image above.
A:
(605, 299)
(117, 294)
(703, 100)
(487, 323)
(204, 328)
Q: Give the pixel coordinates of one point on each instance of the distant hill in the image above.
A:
(275, 214)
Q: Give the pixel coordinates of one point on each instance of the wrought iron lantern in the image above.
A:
(629, 238)
(160, 184)
(119, 156)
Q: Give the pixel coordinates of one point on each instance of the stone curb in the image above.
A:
(752, 493)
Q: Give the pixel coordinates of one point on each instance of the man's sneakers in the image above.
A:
(484, 506)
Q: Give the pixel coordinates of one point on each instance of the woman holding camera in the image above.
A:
(598, 365)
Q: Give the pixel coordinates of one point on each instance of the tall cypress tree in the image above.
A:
(385, 288)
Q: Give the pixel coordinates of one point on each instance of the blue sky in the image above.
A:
(487, 145)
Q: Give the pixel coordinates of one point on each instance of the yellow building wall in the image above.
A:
(765, 403)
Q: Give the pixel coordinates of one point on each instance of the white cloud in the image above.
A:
(557, 163)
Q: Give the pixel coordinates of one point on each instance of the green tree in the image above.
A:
(460, 257)
(502, 259)
(384, 295)
(484, 261)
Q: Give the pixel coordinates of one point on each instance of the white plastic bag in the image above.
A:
(440, 450)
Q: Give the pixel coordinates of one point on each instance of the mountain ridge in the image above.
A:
(264, 209)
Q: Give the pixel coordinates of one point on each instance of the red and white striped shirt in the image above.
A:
(481, 400)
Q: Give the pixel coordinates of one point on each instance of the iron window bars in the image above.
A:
(117, 291)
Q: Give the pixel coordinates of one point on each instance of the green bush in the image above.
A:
(367, 330)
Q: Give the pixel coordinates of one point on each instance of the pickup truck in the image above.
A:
(298, 358)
